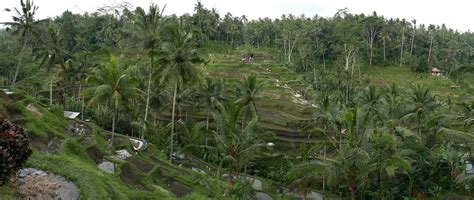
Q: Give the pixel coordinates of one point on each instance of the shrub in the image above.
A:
(14, 149)
(242, 190)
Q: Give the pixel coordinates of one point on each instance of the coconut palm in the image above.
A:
(192, 137)
(77, 70)
(186, 99)
(325, 116)
(349, 164)
(113, 87)
(467, 114)
(350, 167)
(212, 92)
(25, 27)
(387, 159)
(370, 99)
(248, 92)
(236, 146)
(148, 27)
(421, 104)
(302, 185)
(391, 107)
(52, 53)
(178, 59)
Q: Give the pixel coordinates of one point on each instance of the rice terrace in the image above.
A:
(212, 99)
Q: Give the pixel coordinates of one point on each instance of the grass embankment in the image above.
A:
(144, 176)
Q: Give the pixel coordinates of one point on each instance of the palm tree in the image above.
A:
(192, 136)
(326, 116)
(349, 164)
(113, 87)
(52, 53)
(248, 93)
(77, 71)
(212, 92)
(302, 185)
(148, 27)
(24, 26)
(391, 107)
(467, 114)
(387, 158)
(421, 104)
(237, 146)
(370, 99)
(179, 57)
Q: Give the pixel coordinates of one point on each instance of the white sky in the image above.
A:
(456, 14)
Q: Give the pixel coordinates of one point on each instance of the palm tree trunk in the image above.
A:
(207, 123)
(79, 92)
(147, 97)
(352, 189)
(324, 176)
(383, 41)
(17, 70)
(113, 130)
(429, 52)
(324, 59)
(172, 120)
(207, 120)
(51, 90)
(82, 108)
(412, 42)
(255, 108)
(401, 48)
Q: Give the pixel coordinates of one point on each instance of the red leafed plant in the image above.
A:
(14, 149)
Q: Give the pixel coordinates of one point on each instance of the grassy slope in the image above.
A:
(72, 162)
(404, 77)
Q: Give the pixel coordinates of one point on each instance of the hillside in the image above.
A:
(148, 174)
(59, 150)
(133, 103)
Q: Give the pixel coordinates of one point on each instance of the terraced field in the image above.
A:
(285, 110)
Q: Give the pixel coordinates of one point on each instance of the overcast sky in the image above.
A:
(456, 14)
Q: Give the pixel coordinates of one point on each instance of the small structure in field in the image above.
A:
(455, 86)
(436, 72)
(247, 58)
(7, 91)
(71, 115)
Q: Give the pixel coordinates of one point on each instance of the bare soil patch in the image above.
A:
(5, 97)
(129, 177)
(49, 144)
(179, 189)
(95, 154)
(86, 142)
(140, 164)
(13, 110)
(118, 142)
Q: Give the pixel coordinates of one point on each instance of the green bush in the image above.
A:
(242, 189)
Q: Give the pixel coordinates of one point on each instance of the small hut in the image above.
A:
(436, 72)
